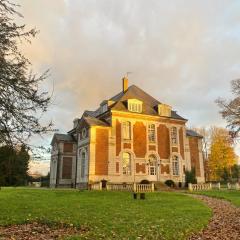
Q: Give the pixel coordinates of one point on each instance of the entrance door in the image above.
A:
(152, 168)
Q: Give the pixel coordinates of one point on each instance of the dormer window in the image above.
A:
(164, 110)
(104, 108)
(134, 105)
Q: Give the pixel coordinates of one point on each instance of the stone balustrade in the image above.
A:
(119, 187)
(233, 186)
(129, 187)
(199, 186)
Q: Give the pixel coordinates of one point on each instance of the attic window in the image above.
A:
(104, 108)
(134, 105)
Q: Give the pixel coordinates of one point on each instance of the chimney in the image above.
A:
(125, 84)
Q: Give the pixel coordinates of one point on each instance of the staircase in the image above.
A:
(160, 186)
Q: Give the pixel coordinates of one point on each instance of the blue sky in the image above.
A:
(184, 53)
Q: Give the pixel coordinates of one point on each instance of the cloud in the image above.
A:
(182, 52)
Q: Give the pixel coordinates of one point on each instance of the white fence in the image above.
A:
(129, 187)
(232, 186)
(144, 187)
(199, 187)
(119, 187)
(209, 186)
(96, 186)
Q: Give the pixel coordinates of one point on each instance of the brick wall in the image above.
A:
(127, 145)
(152, 148)
(165, 169)
(163, 141)
(140, 168)
(67, 147)
(101, 153)
(118, 137)
(139, 139)
(194, 154)
(181, 142)
(67, 168)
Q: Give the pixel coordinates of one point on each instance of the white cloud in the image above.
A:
(182, 52)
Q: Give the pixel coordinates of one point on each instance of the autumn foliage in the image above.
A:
(222, 156)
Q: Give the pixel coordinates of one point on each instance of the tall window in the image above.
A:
(152, 165)
(127, 130)
(151, 133)
(83, 163)
(175, 165)
(126, 164)
(174, 135)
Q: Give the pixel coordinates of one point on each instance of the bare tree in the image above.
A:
(230, 109)
(22, 103)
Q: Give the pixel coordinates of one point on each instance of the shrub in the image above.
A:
(190, 177)
(170, 183)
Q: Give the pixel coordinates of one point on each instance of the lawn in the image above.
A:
(108, 215)
(230, 195)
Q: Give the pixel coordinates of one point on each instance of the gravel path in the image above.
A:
(225, 223)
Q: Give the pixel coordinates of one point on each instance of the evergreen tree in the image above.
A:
(13, 165)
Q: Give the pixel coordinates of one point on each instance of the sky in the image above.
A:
(184, 53)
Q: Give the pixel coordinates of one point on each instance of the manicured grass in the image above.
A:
(230, 195)
(163, 215)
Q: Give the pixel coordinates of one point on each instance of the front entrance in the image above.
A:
(153, 168)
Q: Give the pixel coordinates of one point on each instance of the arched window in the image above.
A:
(83, 163)
(174, 135)
(152, 165)
(126, 163)
(175, 165)
(127, 130)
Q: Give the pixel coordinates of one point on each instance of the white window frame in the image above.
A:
(152, 133)
(83, 163)
(175, 165)
(174, 135)
(126, 129)
(152, 165)
(134, 105)
(126, 163)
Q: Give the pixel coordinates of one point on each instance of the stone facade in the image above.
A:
(118, 145)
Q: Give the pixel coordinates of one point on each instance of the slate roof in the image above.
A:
(92, 121)
(63, 137)
(149, 103)
(191, 133)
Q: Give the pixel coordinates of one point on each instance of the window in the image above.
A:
(175, 165)
(152, 165)
(126, 164)
(134, 105)
(67, 147)
(83, 163)
(174, 135)
(104, 108)
(127, 130)
(67, 168)
(151, 133)
(84, 133)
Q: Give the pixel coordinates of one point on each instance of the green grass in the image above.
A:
(230, 195)
(163, 215)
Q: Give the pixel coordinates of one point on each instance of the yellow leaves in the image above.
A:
(222, 154)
